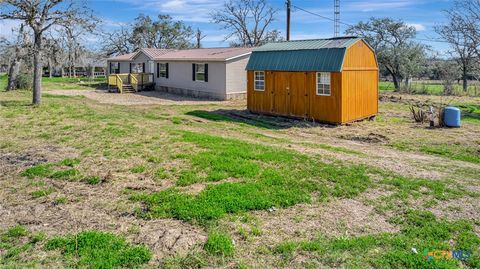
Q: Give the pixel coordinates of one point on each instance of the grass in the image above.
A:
(41, 193)
(450, 151)
(219, 244)
(419, 229)
(65, 83)
(269, 176)
(430, 88)
(95, 249)
(17, 244)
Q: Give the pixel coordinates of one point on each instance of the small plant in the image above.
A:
(138, 169)
(41, 193)
(418, 114)
(93, 180)
(93, 249)
(42, 170)
(70, 162)
(219, 244)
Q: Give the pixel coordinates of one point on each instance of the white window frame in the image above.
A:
(324, 83)
(162, 73)
(255, 80)
(196, 72)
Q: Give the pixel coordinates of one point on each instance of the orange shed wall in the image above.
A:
(294, 94)
(359, 83)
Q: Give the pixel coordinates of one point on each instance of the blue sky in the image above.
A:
(423, 14)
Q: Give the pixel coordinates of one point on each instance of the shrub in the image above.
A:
(24, 82)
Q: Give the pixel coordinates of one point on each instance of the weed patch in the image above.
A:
(420, 230)
(269, 177)
(99, 250)
(219, 244)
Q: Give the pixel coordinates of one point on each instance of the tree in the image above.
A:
(40, 16)
(393, 42)
(457, 34)
(165, 33)
(117, 42)
(248, 22)
(199, 36)
(18, 51)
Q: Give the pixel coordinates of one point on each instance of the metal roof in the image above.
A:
(302, 55)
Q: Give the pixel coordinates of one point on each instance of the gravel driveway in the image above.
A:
(140, 98)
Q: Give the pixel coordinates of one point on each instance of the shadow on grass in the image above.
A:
(15, 103)
(257, 120)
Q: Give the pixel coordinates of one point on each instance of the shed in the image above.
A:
(331, 80)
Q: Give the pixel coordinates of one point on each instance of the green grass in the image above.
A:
(219, 244)
(431, 88)
(95, 249)
(17, 246)
(419, 230)
(190, 260)
(3, 81)
(450, 151)
(269, 176)
(64, 83)
(41, 193)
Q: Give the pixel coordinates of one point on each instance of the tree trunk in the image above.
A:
(13, 74)
(396, 82)
(37, 68)
(465, 79)
(92, 71)
(49, 69)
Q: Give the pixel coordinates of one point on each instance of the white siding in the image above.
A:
(180, 76)
(236, 75)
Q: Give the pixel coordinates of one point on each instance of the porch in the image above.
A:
(131, 82)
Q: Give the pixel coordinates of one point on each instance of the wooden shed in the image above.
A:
(331, 80)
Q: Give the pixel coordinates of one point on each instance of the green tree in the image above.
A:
(393, 42)
(164, 33)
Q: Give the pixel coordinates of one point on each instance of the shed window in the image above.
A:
(163, 70)
(323, 83)
(259, 80)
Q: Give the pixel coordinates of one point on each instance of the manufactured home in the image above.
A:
(328, 80)
(215, 73)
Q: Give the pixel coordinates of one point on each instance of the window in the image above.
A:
(323, 84)
(162, 70)
(259, 80)
(200, 72)
(136, 68)
(114, 68)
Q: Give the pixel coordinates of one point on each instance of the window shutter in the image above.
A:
(166, 67)
(143, 67)
(130, 68)
(158, 70)
(206, 72)
(193, 72)
(110, 68)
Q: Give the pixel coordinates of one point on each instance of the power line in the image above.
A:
(348, 24)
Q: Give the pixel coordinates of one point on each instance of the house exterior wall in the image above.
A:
(180, 80)
(236, 84)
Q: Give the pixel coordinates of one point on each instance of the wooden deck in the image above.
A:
(131, 82)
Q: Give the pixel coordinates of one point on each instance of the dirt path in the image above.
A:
(141, 98)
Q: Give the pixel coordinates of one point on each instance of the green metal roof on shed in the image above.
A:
(302, 55)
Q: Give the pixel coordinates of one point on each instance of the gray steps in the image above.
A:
(127, 88)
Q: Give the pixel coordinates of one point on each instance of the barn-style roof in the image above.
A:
(302, 55)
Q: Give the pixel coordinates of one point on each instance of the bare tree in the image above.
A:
(117, 42)
(40, 16)
(457, 33)
(19, 51)
(248, 22)
(199, 36)
(393, 42)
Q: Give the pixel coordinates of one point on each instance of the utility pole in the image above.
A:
(336, 25)
(288, 19)
(199, 37)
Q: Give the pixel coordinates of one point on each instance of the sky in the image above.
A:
(422, 14)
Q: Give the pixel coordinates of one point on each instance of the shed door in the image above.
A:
(280, 93)
(298, 94)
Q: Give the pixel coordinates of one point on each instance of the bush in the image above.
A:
(24, 82)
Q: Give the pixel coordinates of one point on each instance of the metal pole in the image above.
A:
(288, 19)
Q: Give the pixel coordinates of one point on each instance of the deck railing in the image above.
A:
(136, 80)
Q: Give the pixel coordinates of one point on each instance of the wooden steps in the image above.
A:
(127, 88)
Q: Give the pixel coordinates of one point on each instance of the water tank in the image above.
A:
(451, 117)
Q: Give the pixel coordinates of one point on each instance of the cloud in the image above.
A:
(418, 26)
(368, 6)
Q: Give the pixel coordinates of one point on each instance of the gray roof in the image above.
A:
(302, 55)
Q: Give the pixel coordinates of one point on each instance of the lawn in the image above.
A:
(432, 88)
(65, 83)
(94, 185)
